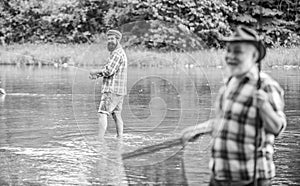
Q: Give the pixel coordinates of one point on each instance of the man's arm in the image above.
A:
(109, 69)
(189, 133)
(273, 122)
(271, 105)
(113, 65)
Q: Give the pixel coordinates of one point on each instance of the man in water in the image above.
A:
(114, 88)
(247, 118)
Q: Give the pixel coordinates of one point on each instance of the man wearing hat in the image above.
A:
(114, 88)
(247, 118)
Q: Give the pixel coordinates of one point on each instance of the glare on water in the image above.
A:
(48, 127)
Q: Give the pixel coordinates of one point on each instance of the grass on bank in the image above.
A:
(96, 54)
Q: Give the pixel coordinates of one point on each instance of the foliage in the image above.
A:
(18, 19)
(156, 24)
(61, 21)
(179, 24)
(78, 21)
(278, 20)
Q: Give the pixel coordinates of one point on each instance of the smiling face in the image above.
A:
(112, 42)
(240, 57)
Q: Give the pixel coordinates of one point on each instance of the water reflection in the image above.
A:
(2, 98)
(48, 125)
(154, 101)
(108, 166)
(169, 172)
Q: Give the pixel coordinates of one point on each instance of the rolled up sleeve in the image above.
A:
(276, 99)
(113, 65)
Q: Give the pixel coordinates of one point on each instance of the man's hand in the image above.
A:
(188, 134)
(262, 98)
(93, 77)
(94, 74)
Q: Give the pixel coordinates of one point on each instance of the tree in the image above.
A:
(278, 20)
(204, 19)
(156, 24)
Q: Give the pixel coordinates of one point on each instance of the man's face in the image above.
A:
(240, 57)
(111, 42)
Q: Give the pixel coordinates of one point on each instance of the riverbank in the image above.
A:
(96, 54)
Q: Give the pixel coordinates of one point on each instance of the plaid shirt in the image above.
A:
(115, 73)
(234, 132)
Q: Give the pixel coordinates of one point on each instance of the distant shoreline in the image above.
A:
(96, 55)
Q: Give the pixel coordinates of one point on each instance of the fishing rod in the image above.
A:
(257, 119)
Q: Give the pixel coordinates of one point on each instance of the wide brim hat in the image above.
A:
(245, 34)
(117, 33)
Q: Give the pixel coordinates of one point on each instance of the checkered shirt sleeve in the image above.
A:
(115, 73)
(234, 132)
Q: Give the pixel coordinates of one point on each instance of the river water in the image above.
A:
(48, 127)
